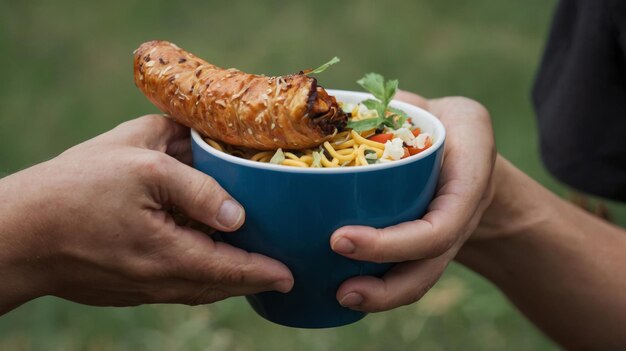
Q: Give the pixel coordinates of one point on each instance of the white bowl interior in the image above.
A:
(421, 118)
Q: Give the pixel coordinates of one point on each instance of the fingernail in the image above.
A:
(230, 214)
(351, 300)
(284, 286)
(344, 246)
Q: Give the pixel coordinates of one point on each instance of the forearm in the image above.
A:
(561, 266)
(21, 225)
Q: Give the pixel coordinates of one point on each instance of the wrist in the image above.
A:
(24, 244)
(521, 210)
(519, 206)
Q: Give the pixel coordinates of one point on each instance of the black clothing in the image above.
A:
(580, 97)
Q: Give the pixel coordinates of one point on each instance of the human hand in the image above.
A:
(101, 233)
(426, 246)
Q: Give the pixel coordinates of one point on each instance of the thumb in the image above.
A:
(199, 196)
(411, 98)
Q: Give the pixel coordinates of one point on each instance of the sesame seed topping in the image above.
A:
(165, 71)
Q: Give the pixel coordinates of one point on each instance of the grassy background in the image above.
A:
(68, 77)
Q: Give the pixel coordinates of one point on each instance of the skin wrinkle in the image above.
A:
(148, 257)
(463, 193)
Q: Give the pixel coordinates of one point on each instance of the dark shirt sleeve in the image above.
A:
(580, 97)
(617, 11)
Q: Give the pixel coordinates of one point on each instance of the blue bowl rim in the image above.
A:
(408, 108)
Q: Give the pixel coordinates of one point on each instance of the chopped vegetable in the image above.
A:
(370, 156)
(317, 159)
(413, 150)
(278, 157)
(381, 138)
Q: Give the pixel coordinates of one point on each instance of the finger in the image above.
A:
(411, 98)
(402, 285)
(226, 268)
(181, 150)
(154, 132)
(463, 187)
(196, 193)
(449, 220)
(428, 237)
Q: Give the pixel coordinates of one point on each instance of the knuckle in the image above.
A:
(145, 272)
(441, 245)
(231, 275)
(379, 252)
(206, 295)
(478, 110)
(137, 127)
(151, 164)
(207, 193)
(151, 121)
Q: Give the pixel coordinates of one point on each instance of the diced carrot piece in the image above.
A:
(406, 152)
(381, 138)
(416, 132)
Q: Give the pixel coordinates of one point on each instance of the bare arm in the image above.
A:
(562, 267)
(92, 226)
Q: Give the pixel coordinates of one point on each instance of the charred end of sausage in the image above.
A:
(324, 110)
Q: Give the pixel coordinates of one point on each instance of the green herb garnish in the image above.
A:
(383, 92)
(370, 160)
(323, 67)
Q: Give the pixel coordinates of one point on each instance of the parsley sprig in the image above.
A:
(383, 91)
(323, 67)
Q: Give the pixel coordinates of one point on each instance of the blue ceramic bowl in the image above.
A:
(292, 212)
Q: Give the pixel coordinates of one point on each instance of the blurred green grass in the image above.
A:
(68, 77)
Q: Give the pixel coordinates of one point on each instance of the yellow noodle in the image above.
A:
(214, 144)
(361, 140)
(327, 163)
(290, 162)
(259, 156)
(337, 155)
(360, 155)
(292, 156)
(345, 144)
(342, 136)
(307, 159)
(346, 152)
